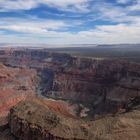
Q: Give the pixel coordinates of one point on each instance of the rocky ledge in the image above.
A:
(29, 120)
(33, 121)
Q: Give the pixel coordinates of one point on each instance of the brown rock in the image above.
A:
(32, 121)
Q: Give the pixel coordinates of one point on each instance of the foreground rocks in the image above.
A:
(6, 135)
(31, 120)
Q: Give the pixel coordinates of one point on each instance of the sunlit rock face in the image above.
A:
(15, 85)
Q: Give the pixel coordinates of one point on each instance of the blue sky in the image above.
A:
(70, 21)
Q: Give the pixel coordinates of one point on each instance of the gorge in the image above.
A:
(67, 97)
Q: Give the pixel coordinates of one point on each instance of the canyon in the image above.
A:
(51, 95)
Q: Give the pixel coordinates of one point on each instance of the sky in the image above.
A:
(70, 21)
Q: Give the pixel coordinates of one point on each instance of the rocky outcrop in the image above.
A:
(15, 85)
(31, 120)
(6, 135)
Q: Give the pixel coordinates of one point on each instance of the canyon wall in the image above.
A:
(96, 85)
(75, 88)
(15, 85)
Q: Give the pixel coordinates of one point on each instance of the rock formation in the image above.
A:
(15, 85)
(31, 120)
(76, 88)
(99, 86)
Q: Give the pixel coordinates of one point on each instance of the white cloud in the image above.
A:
(123, 1)
(126, 30)
(8, 5)
(113, 34)
(121, 33)
(111, 13)
(67, 5)
(135, 7)
(33, 25)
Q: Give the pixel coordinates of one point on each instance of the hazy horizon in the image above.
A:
(39, 45)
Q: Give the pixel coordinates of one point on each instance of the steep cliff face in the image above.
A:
(15, 85)
(99, 86)
(35, 58)
(103, 86)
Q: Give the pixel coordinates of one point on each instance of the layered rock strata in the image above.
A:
(99, 86)
(31, 120)
(15, 85)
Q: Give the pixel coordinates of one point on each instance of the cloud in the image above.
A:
(105, 22)
(34, 25)
(113, 34)
(135, 7)
(66, 5)
(70, 5)
(109, 34)
(116, 14)
(9, 5)
(123, 1)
